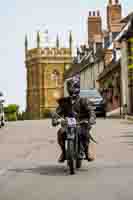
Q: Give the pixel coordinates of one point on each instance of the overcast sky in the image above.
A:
(27, 16)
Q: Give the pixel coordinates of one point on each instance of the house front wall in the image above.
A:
(124, 76)
(86, 78)
(111, 82)
(98, 68)
(89, 75)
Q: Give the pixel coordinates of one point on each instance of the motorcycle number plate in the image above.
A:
(71, 122)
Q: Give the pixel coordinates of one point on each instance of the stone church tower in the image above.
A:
(45, 75)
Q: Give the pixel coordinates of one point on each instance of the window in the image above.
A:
(55, 76)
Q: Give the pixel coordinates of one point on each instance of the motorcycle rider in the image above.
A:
(83, 109)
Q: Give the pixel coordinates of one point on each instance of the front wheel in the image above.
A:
(70, 156)
(78, 163)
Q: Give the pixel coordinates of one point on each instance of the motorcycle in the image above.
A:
(73, 146)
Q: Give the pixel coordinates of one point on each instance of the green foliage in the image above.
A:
(29, 116)
(12, 108)
(25, 116)
(11, 112)
(109, 84)
(12, 117)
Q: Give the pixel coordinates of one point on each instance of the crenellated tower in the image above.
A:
(70, 41)
(38, 39)
(57, 42)
(45, 75)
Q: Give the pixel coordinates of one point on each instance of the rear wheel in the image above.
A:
(78, 163)
(104, 114)
(71, 166)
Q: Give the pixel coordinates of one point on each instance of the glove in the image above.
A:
(92, 121)
(63, 123)
(54, 122)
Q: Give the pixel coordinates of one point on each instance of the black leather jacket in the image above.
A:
(81, 106)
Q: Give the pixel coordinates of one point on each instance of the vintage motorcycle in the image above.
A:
(73, 145)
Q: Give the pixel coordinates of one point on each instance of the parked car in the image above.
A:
(97, 100)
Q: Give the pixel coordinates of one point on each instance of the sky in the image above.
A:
(27, 16)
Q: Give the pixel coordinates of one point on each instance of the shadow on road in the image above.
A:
(49, 170)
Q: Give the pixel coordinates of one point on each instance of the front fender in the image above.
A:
(70, 133)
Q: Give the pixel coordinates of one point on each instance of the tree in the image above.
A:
(11, 112)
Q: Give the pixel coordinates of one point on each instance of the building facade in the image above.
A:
(126, 40)
(45, 76)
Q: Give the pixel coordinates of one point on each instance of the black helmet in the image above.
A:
(73, 86)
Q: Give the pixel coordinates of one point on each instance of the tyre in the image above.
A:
(2, 124)
(78, 163)
(70, 156)
(104, 114)
(71, 166)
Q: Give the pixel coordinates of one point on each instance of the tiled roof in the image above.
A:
(109, 68)
(124, 32)
(72, 71)
(96, 57)
(127, 18)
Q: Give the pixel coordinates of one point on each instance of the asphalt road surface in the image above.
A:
(29, 169)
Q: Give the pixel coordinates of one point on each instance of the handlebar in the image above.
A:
(79, 123)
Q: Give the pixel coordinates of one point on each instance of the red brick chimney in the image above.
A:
(114, 15)
(94, 27)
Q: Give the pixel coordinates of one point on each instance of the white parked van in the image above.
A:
(2, 116)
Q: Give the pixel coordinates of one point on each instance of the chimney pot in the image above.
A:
(98, 13)
(94, 14)
(117, 1)
(90, 13)
(110, 2)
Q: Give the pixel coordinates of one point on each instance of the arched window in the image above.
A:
(55, 76)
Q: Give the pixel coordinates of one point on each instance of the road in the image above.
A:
(29, 167)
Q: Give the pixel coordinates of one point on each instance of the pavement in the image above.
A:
(114, 113)
(29, 168)
(129, 117)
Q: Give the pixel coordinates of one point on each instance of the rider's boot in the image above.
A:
(87, 154)
(61, 142)
(62, 156)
